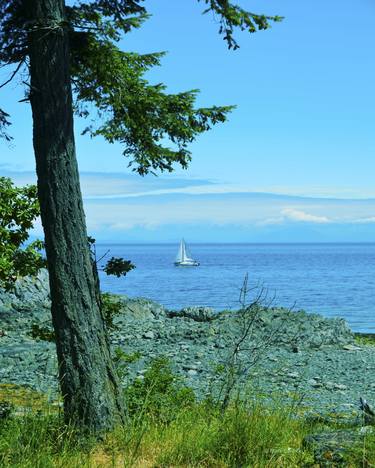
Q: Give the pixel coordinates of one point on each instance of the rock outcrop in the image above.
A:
(284, 352)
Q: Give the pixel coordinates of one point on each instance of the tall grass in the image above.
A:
(167, 427)
(40, 440)
(199, 436)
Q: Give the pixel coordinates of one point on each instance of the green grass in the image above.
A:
(197, 437)
(167, 427)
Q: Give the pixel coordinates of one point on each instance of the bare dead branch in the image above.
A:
(235, 367)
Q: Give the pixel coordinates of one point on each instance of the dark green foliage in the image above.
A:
(118, 267)
(13, 34)
(122, 361)
(155, 127)
(44, 333)
(6, 409)
(19, 209)
(111, 307)
(232, 16)
(160, 395)
(141, 116)
(110, 18)
(4, 123)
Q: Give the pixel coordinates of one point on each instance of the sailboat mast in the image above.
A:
(183, 251)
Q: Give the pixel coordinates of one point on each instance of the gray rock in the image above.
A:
(139, 309)
(198, 340)
(314, 383)
(150, 335)
(339, 386)
(350, 347)
(29, 293)
(292, 375)
(190, 366)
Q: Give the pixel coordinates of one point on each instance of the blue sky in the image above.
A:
(304, 126)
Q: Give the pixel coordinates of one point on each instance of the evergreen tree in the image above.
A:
(72, 51)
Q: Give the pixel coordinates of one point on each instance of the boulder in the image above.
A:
(140, 309)
(197, 313)
(27, 294)
(27, 302)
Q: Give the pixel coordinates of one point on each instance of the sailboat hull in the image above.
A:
(186, 264)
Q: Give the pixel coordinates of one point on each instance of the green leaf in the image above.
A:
(19, 209)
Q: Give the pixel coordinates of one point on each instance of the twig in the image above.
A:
(101, 258)
(13, 74)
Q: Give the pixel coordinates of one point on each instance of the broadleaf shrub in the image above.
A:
(111, 307)
(19, 209)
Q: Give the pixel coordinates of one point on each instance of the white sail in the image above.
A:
(187, 253)
(181, 252)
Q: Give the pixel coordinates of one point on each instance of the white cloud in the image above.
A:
(294, 215)
(243, 211)
(301, 216)
(116, 203)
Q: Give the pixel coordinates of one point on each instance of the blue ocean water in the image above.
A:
(335, 280)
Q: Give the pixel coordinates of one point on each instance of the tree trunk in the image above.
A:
(88, 380)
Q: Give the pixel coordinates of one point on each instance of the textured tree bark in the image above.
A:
(88, 380)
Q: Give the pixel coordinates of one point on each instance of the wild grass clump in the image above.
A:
(239, 436)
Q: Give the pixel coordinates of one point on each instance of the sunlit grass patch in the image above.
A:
(23, 397)
(365, 339)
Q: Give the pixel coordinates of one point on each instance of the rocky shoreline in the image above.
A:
(302, 357)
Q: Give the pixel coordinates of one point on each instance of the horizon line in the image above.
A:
(235, 243)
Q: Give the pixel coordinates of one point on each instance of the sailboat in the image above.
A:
(183, 256)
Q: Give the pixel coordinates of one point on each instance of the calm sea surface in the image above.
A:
(335, 280)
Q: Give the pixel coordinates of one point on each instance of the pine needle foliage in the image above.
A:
(4, 123)
(155, 127)
(232, 16)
